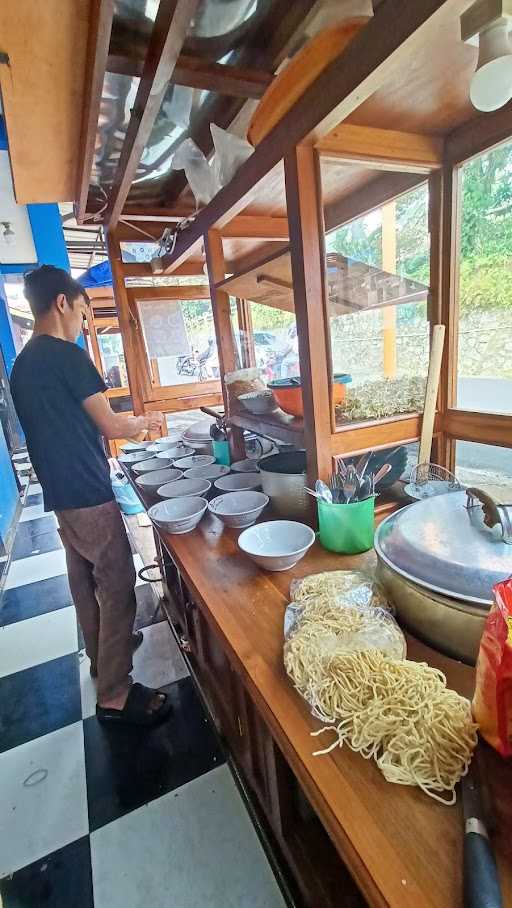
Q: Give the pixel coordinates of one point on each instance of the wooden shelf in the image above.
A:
(278, 425)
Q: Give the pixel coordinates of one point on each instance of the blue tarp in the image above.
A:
(99, 275)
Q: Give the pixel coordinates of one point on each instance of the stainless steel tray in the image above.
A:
(440, 545)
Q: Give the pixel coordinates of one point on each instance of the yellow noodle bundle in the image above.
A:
(399, 713)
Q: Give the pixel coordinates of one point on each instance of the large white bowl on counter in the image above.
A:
(194, 460)
(245, 466)
(132, 446)
(152, 463)
(185, 488)
(278, 544)
(135, 457)
(213, 471)
(168, 441)
(238, 509)
(178, 515)
(151, 482)
(239, 482)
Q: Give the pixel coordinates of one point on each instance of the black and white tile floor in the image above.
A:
(101, 817)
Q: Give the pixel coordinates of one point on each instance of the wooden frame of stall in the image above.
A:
(422, 159)
(312, 132)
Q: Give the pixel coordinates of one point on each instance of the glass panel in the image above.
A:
(477, 463)
(112, 358)
(484, 378)
(275, 342)
(180, 341)
(378, 273)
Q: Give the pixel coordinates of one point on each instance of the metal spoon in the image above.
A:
(314, 494)
(323, 490)
(350, 485)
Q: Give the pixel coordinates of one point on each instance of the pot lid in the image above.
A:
(439, 544)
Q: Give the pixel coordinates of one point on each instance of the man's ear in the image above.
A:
(61, 302)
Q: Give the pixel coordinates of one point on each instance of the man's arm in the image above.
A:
(119, 425)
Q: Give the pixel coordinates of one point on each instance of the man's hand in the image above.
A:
(155, 421)
(120, 425)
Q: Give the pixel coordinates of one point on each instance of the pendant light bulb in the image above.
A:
(491, 85)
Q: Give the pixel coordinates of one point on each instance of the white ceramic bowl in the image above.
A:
(213, 471)
(194, 460)
(134, 457)
(278, 544)
(258, 402)
(151, 482)
(239, 482)
(168, 441)
(177, 451)
(239, 509)
(178, 515)
(185, 488)
(153, 463)
(245, 466)
(132, 446)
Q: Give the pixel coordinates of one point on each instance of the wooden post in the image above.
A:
(93, 337)
(124, 314)
(221, 308)
(245, 326)
(449, 296)
(389, 264)
(307, 242)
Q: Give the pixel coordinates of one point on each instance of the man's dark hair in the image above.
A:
(43, 285)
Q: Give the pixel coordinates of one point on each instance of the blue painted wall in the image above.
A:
(6, 337)
(8, 491)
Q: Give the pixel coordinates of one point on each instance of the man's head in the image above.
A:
(56, 300)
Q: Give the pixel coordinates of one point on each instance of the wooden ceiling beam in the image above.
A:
(256, 227)
(383, 149)
(102, 15)
(143, 269)
(243, 227)
(479, 135)
(193, 72)
(373, 195)
(167, 38)
(384, 44)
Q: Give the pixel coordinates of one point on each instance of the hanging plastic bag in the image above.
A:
(230, 153)
(199, 174)
(492, 703)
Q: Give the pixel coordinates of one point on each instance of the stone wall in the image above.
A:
(485, 345)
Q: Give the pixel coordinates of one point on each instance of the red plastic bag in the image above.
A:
(492, 703)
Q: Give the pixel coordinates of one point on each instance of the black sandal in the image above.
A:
(135, 710)
(138, 640)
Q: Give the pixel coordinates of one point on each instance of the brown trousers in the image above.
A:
(102, 579)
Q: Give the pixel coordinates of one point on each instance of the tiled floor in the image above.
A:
(90, 816)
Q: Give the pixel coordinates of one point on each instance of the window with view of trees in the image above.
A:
(484, 370)
(385, 349)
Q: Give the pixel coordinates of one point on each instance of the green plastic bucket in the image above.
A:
(347, 528)
(221, 452)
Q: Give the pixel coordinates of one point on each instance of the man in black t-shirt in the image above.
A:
(60, 401)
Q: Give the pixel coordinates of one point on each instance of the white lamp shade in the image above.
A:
(491, 85)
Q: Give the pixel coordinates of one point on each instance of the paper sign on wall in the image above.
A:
(164, 328)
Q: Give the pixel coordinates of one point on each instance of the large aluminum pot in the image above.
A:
(449, 625)
(283, 479)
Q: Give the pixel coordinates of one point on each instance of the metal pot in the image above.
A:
(439, 562)
(283, 479)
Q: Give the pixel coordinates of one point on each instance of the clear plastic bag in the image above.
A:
(230, 153)
(200, 175)
(352, 587)
(207, 177)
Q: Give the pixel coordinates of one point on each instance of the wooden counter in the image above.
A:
(403, 849)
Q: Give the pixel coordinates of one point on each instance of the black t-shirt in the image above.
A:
(49, 382)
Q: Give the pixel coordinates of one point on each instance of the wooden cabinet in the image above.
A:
(276, 797)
